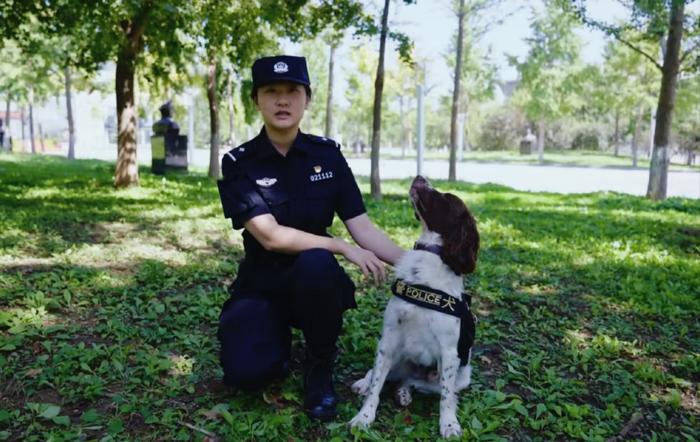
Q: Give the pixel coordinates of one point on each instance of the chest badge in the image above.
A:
(266, 182)
(319, 176)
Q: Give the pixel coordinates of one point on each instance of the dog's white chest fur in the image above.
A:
(423, 333)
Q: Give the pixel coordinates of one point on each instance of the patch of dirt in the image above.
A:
(46, 395)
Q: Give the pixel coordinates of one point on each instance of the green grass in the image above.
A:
(587, 307)
(580, 158)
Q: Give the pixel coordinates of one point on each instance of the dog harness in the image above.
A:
(440, 301)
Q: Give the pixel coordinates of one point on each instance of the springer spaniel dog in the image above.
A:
(429, 322)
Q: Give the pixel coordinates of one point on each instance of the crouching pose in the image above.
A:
(284, 187)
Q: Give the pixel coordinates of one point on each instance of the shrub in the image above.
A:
(501, 130)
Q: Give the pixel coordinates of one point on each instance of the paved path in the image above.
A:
(561, 179)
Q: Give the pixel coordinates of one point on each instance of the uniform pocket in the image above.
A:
(317, 206)
(274, 196)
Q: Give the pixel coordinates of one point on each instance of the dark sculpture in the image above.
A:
(169, 148)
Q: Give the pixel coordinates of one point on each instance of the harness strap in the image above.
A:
(440, 301)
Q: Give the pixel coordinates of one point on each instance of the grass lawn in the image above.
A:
(587, 304)
(580, 158)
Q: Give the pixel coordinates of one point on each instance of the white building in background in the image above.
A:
(94, 117)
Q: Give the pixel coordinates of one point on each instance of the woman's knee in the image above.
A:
(318, 266)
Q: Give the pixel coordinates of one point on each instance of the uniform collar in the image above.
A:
(265, 149)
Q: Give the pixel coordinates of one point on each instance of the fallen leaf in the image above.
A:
(34, 372)
(273, 399)
(212, 414)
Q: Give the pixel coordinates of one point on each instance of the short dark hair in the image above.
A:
(254, 92)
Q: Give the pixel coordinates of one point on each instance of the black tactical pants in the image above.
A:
(254, 327)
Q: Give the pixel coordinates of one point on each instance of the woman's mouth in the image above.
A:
(282, 114)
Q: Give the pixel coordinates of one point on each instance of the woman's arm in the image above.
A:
(277, 238)
(369, 237)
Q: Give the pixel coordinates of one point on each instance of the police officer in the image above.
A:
(284, 187)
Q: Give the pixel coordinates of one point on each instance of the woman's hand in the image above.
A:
(366, 260)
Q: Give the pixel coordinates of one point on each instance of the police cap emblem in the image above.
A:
(280, 67)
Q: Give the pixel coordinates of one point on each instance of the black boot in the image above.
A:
(319, 395)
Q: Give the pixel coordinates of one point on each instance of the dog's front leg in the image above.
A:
(449, 364)
(382, 365)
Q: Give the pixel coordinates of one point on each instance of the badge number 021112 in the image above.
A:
(321, 176)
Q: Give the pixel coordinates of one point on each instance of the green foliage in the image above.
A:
(587, 308)
(501, 129)
(550, 74)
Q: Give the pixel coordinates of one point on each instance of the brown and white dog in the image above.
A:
(415, 339)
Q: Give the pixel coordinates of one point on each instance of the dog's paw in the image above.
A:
(361, 386)
(362, 420)
(450, 429)
(403, 397)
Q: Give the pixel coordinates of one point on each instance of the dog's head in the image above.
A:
(446, 215)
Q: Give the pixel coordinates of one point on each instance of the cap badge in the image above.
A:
(317, 169)
(280, 67)
(266, 182)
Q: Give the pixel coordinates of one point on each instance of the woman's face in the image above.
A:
(282, 104)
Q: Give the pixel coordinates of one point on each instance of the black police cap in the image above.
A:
(267, 70)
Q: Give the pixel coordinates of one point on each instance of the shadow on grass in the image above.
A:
(574, 328)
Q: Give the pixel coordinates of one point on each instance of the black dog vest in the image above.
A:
(439, 301)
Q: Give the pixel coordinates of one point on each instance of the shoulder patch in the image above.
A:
(238, 153)
(324, 141)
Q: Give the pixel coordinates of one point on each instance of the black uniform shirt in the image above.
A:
(302, 190)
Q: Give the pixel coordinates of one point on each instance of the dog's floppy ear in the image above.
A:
(460, 243)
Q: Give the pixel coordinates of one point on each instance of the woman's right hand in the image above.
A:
(366, 260)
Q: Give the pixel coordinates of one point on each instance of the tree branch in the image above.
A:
(615, 32)
(689, 51)
(637, 50)
(490, 25)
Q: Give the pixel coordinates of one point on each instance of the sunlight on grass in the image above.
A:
(181, 365)
(18, 320)
(110, 299)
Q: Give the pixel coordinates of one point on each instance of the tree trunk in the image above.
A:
(616, 137)
(127, 171)
(41, 139)
(69, 111)
(540, 141)
(214, 167)
(229, 97)
(8, 135)
(467, 144)
(455, 94)
(402, 136)
(24, 128)
(658, 169)
(329, 99)
(375, 183)
(31, 120)
(637, 135)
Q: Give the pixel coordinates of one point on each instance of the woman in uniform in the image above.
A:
(283, 188)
